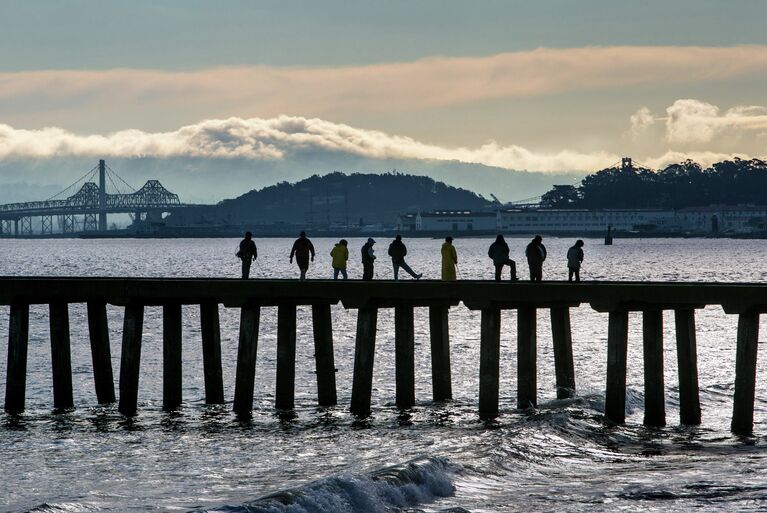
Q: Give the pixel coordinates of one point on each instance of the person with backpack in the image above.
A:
(340, 254)
(397, 252)
(368, 259)
(499, 253)
(248, 253)
(536, 254)
(574, 259)
(302, 250)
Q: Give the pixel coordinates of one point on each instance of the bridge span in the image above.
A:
(86, 210)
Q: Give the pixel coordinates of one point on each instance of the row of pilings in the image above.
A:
(617, 299)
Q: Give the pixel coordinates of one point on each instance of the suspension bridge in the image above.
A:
(86, 209)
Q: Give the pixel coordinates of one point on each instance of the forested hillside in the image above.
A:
(335, 199)
(687, 184)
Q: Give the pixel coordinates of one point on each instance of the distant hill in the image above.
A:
(335, 198)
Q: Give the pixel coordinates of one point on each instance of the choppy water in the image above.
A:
(435, 457)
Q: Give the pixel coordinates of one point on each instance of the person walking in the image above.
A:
(397, 252)
(302, 250)
(340, 254)
(499, 253)
(368, 259)
(536, 254)
(574, 259)
(449, 260)
(247, 253)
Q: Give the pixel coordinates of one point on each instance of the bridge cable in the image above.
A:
(85, 176)
(133, 189)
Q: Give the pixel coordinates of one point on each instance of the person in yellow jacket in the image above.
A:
(449, 260)
(340, 254)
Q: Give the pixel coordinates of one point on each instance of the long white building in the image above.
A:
(711, 219)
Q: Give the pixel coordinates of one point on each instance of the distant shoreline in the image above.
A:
(228, 234)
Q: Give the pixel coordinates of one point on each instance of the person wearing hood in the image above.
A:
(397, 252)
(536, 254)
(499, 253)
(302, 250)
(368, 259)
(340, 254)
(449, 260)
(574, 259)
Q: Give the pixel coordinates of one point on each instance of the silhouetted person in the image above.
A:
(247, 253)
(397, 252)
(368, 259)
(536, 254)
(499, 252)
(340, 254)
(449, 260)
(302, 250)
(574, 259)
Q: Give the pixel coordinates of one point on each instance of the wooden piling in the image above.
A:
(441, 382)
(322, 326)
(364, 353)
(211, 353)
(133, 324)
(489, 363)
(171, 356)
(654, 393)
(687, 358)
(286, 357)
(563, 351)
(745, 373)
(61, 357)
(404, 355)
(16, 376)
(527, 368)
(617, 346)
(101, 353)
(250, 317)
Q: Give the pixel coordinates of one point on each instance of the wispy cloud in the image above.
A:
(695, 121)
(391, 87)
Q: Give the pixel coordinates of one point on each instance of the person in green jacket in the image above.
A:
(340, 254)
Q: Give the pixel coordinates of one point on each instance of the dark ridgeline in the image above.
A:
(490, 298)
(334, 199)
(687, 184)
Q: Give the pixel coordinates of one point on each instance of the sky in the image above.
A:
(553, 87)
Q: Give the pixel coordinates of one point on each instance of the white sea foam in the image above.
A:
(418, 481)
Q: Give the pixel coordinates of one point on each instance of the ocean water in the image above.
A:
(434, 457)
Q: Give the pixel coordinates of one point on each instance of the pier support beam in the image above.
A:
(687, 358)
(101, 353)
(16, 376)
(489, 363)
(171, 356)
(286, 357)
(441, 383)
(404, 355)
(563, 352)
(654, 396)
(250, 317)
(61, 357)
(211, 353)
(133, 324)
(617, 346)
(527, 368)
(745, 373)
(322, 325)
(364, 353)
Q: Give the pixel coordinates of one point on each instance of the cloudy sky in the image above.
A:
(551, 86)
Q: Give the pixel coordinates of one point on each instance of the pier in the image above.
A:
(617, 299)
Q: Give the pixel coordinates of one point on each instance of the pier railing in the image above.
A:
(491, 298)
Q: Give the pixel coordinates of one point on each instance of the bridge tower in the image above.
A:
(102, 196)
(626, 164)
